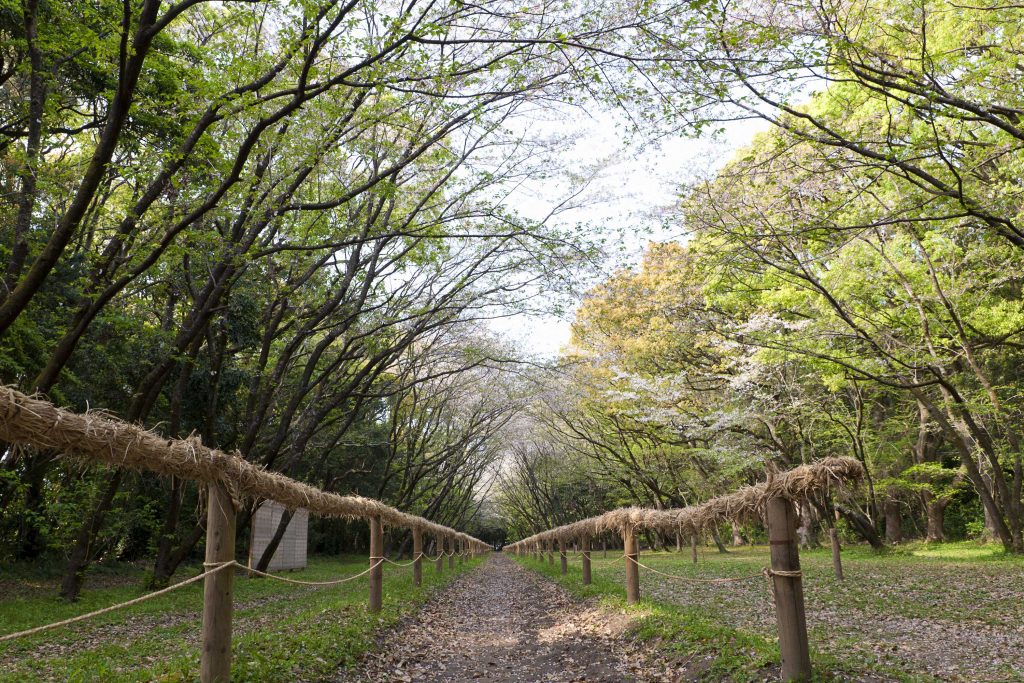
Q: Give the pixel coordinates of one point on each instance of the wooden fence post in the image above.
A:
(585, 547)
(462, 551)
(417, 555)
(789, 592)
(632, 552)
(376, 564)
(451, 553)
(837, 559)
(439, 563)
(563, 560)
(551, 553)
(693, 546)
(218, 588)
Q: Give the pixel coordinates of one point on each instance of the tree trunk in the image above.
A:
(71, 586)
(268, 553)
(737, 535)
(807, 531)
(893, 522)
(718, 540)
(862, 526)
(936, 513)
(161, 567)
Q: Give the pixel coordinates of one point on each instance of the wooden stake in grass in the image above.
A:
(376, 564)
(551, 552)
(451, 553)
(837, 560)
(632, 552)
(218, 588)
(789, 593)
(439, 563)
(417, 554)
(585, 547)
(562, 558)
(693, 546)
(462, 551)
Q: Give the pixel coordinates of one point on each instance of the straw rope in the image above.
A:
(99, 437)
(761, 574)
(214, 568)
(748, 503)
(404, 564)
(334, 582)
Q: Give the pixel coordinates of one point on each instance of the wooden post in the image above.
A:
(376, 564)
(562, 558)
(693, 546)
(451, 553)
(837, 560)
(551, 552)
(218, 588)
(585, 547)
(632, 552)
(604, 543)
(439, 563)
(417, 554)
(462, 551)
(789, 592)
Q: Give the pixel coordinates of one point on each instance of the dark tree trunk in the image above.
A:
(268, 553)
(893, 522)
(71, 586)
(161, 568)
(862, 526)
(718, 541)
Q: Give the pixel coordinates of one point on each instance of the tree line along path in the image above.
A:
(655, 339)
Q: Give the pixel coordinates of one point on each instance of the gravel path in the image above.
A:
(505, 624)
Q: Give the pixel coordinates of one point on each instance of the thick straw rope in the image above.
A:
(800, 483)
(101, 438)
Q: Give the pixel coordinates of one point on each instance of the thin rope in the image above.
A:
(404, 564)
(214, 568)
(766, 573)
(379, 562)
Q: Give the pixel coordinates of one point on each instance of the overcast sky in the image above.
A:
(631, 200)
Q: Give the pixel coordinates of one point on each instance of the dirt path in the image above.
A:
(505, 624)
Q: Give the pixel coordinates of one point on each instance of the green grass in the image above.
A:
(282, 632)
(727, 631)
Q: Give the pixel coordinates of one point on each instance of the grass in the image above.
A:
(890, 620)
(282, 632)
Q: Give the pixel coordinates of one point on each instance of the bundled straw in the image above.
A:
(798, 484)
(100, 438)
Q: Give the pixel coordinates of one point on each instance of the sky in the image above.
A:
(630, 200)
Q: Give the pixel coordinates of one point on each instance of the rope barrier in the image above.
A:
(211, 568)
(404, 564)
(89, 615)
(380, 561)
(766, 573)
